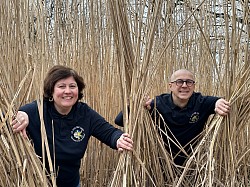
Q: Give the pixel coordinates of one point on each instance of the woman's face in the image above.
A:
(65, 95)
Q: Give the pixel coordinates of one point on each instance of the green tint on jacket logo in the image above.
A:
(194, 117)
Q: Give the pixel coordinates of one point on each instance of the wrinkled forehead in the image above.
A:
(182, 74)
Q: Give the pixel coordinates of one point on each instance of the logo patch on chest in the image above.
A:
(194, 117)
(77, 134)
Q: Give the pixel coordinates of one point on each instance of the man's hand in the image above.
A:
(147, 103)
(222, 107)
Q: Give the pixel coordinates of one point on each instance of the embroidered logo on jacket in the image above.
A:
(194, 117)
(77, 134)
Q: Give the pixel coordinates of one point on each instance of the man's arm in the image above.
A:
(119, 119)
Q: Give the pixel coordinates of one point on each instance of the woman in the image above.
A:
(69, 124)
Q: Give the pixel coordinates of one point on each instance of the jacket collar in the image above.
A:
(190, 103)
(54, 114)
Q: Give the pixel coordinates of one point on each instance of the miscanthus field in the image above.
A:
(126, 50)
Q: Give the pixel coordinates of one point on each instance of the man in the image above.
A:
(183, 113)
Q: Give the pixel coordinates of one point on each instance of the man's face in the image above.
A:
(182, 85)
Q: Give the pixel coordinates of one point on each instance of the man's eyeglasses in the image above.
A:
(180, 82)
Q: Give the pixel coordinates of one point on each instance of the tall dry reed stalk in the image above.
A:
(126, 50)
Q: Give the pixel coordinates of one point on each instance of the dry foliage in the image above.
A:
(126, 50)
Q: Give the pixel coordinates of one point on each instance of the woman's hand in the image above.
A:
(20, 122)
(222, 107)
(124, 142)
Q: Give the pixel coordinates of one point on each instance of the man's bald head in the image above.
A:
(181, 72)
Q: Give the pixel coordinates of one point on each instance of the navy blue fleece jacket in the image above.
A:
(184, 123)
(71, 135)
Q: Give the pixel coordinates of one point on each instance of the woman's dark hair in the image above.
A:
(57, 73)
